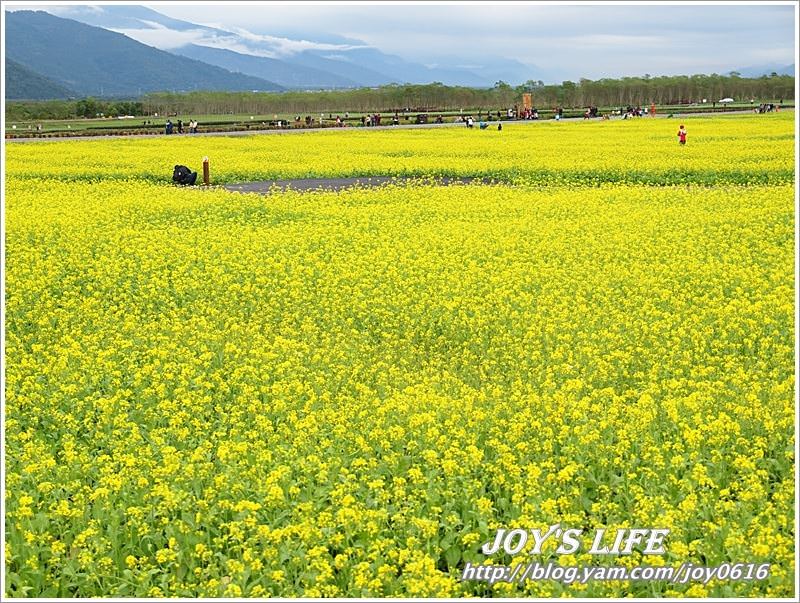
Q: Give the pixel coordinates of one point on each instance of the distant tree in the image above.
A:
(531, 85)
(606, 92)
(87, 107)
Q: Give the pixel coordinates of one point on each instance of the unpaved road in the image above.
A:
(492, 126)
(335, 184)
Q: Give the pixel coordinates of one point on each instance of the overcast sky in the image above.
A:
(590, 41)
(576, 41)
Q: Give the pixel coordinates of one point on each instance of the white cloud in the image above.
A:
(285, 46)
(164, 38)
(241, 40)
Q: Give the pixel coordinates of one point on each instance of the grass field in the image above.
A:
(62, 125)
(256, 120)
(345, 394)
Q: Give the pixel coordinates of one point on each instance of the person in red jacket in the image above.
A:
(682, 135)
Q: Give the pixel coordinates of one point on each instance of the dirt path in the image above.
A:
(336, 184)
(492, 126)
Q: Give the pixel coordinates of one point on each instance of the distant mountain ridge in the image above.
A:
(94, 61)
(126, 51)
(347, 63)
(762, 70)
(24, 84)
(287, 75)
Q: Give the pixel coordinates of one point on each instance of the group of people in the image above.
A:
(171, 128)
(629, 112)
(469, 121)
(528, 113)
(590, 113)
(767, 108)
(371, 120)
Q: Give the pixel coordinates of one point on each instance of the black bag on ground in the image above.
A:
(183, 175)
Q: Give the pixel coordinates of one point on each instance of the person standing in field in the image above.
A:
(682, 135)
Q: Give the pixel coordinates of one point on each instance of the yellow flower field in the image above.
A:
(346, 394)
(735, 149)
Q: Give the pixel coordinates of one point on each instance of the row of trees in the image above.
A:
(60, 109)
(385, 98)
(89, 107)
(664, 90)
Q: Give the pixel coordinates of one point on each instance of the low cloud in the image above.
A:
(164, 38)
(240, 40)
(285, 46)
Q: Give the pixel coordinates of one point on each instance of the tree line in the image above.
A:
(606, 92)
(72, 109)
(667, 90)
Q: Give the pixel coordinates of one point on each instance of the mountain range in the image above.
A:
(113, 50)
(348, 62)
(126, 51)
(759, 70)
(21, 82)
(95, 61)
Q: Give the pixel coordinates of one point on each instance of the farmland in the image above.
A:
(346, 394)
(21, 127)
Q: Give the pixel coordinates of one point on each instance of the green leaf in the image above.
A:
(452, 556)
